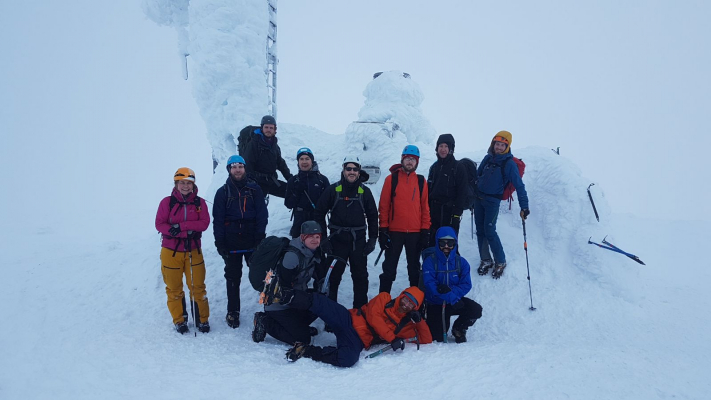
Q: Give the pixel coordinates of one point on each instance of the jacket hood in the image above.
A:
(176, 193)
(442, 232)
(414, 293)
(504, 134)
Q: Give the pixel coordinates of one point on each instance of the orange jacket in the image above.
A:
(411, 211)
(380, 317)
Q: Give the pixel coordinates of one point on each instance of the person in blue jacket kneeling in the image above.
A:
(446, 276)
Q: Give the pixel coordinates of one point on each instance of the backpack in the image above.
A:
(245, 136)
(472, 177)
(509, 189)
(265, 257)
(393, 181)
(430, 253)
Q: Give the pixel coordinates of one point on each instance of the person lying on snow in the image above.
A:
(381, 320)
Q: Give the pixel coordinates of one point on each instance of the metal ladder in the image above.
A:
(272, 59)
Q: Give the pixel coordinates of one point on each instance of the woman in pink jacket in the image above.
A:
(181, 218)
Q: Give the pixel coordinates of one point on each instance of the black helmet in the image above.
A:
(310, 228)
(268, 119)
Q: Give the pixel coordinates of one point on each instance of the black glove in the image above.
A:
(369, 246)
(397, 344)
(222, 250)
(415, 316)
(458, 305)
(174, 230)
(326, 246)
(384, 238)
(456, 219)
(442, 288)
(424, 239)
(525, 212)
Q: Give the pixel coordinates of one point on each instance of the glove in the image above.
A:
(415, 316)
(222, 251)
(458, 305)
(525, 212)
(442, 288)
(369, 246)
(258, 239)
(326, 246)
(397, 344)
(456, 219)
(424, 241)
(174, 230)
(384, 238)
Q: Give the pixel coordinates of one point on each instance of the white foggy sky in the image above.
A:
(621, 87)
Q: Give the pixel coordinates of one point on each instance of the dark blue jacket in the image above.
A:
(239, 210)
(492, 182)
(311, 182)
(444, 271)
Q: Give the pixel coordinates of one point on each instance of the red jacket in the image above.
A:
(186, 215)
(381, 318)
(411, 210)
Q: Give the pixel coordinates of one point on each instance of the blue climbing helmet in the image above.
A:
(411, 150)
(234, 159)
(304, 150)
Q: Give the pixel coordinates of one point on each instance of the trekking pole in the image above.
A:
(472, 214)
(444, 325)
(525, 248)
(387, 348)
(378, 258)
(593, 203)
(192, 286)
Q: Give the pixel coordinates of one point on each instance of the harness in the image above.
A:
(335, 229)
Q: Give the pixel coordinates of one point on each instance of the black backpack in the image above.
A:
(245, 136)
(472, 180)
(265, 257)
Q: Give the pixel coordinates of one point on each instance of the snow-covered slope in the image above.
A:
(88, 321)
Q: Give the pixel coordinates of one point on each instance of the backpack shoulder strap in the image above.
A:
(421, 183)
(503, 166)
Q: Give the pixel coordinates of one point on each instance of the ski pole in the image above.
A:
(378, 258)
(387, 348)
(192, 286)
(593, 203)
(525, 248)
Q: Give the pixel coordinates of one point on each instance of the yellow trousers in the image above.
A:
(173, 268)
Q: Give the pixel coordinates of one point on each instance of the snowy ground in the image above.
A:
(87, 315)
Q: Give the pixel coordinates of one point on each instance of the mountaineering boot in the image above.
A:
(274, 293)
(498, 270)
(459, 331)
(299, 350)
(484, 266)
(232, 319)
(203, 327)
(260, 331)
(182, 327)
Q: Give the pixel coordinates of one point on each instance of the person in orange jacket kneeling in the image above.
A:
(382, 320)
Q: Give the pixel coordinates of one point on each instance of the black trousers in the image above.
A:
(344, 247)
(441, 215)
(468, 313)
(289, 326)
(398, 240)
(233, 277)
(269, 186)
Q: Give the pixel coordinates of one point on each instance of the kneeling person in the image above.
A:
(447, 279)
(381, 320)
(295, 270)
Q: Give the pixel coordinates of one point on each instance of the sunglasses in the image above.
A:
(356, 169)
(447, 243)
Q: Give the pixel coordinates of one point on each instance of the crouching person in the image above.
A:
(295, 270)
(381, 320)
(446, 278)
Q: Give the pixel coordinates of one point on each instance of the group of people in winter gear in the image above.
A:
(342, 224)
